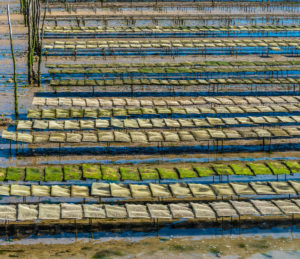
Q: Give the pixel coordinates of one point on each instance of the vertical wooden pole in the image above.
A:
(33, 21)
(14, 65)
(30, 51)
(22, 6)
(40, 45)
(24, 10)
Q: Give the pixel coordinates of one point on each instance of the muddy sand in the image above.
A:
(231, 247)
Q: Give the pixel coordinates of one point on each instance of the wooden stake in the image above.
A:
(14, 65)
(40, 46)
(30, 51)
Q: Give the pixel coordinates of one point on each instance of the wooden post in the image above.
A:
(14, 65)
(24, 10)
(40, 43)
(33, 21)
(30, 50)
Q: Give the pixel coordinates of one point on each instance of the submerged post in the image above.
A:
(14, 65)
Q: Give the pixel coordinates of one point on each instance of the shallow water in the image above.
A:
(171, 22)
(223, 238)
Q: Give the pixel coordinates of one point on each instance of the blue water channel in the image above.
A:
(178, 76)
(186, 21)
(206, 34)
(263, 51)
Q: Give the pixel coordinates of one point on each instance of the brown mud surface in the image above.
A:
(230, 247)
(153, 158)
(162, 4)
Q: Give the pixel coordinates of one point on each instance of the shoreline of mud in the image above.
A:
(154, 247)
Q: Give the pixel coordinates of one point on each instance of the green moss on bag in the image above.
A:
(90, 113)
(158, 70)
(178, 110)
(223, 63)
(119, 112)
(88, 82)
(118, 82)
(110, 173)
(34, 174)
(145, 70)
(108, 82)
(80, 82)
(64, 82)
(73, 82)
(76, 113)
(72, 172)
(167, 173)
(145, 81)
(127, 81)
(136, 81)
(104, 113)
(222, 169)
(183, 70)
(148, 174)
(54, 82)
(129, 174)
(134, 111)
(293, 166)
(54, 71)
(259, 168)
(2, 173)
(186, 172)
(278, 168)
(148, 111)
(48, 113)
(91, 171)
(100, 82)
(34, 114)
(204, 171)
(15, 174)
(53, 174)
(62, 113)
(241, 169)
(171, 70)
